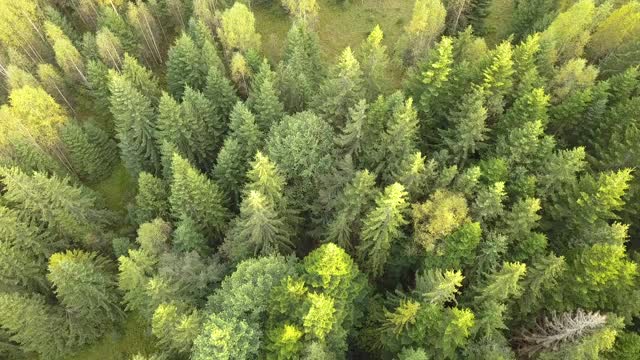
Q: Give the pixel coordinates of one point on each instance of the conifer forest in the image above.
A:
(319, 179)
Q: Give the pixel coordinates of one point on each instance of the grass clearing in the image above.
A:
(117, 190)
(339, 25)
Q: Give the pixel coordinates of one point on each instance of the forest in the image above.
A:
(319, 179)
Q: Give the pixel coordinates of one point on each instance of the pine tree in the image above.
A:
(87, 290)
(134, 124)
(381, 229)
(194, 195)
(151, 200)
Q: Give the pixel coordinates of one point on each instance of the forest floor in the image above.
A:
(121, 344)
(339, 26)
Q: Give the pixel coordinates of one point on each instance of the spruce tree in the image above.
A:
(184, 67)
(98, 87)
(341, 90)
(300, 71)
(264, 99)
(204, 133)
(134, 122)
(239, 148)
(141, 78)
(259, 230)
(400, 139)
(221, 94)
(301, 164)
(87, 290)
(90, 151)
(151, 200)
(381, 229)
(356, 201)
(194, 195)
(69, 213)
(467, 130)
(374, 62)
(498, 78)
(33, 324)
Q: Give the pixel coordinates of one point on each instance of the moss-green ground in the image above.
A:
(121, 344)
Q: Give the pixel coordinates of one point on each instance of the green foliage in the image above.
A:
(264, 98)
(184, 67)
(69, 213)
(87, 291)
(341, 90)
(467, 128)
(91, 153)
(225, 338)
(134, 121)
(175, 330)
(194, 195)
(268, 217)
(259, 230)
(300, 70)
(33, 324)
(381, 229)
(151, 200)
(301, 164)
(237, 29)
(438, 217)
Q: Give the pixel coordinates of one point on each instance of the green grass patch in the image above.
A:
(339, 25)
(117, 190)
(133, 338)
